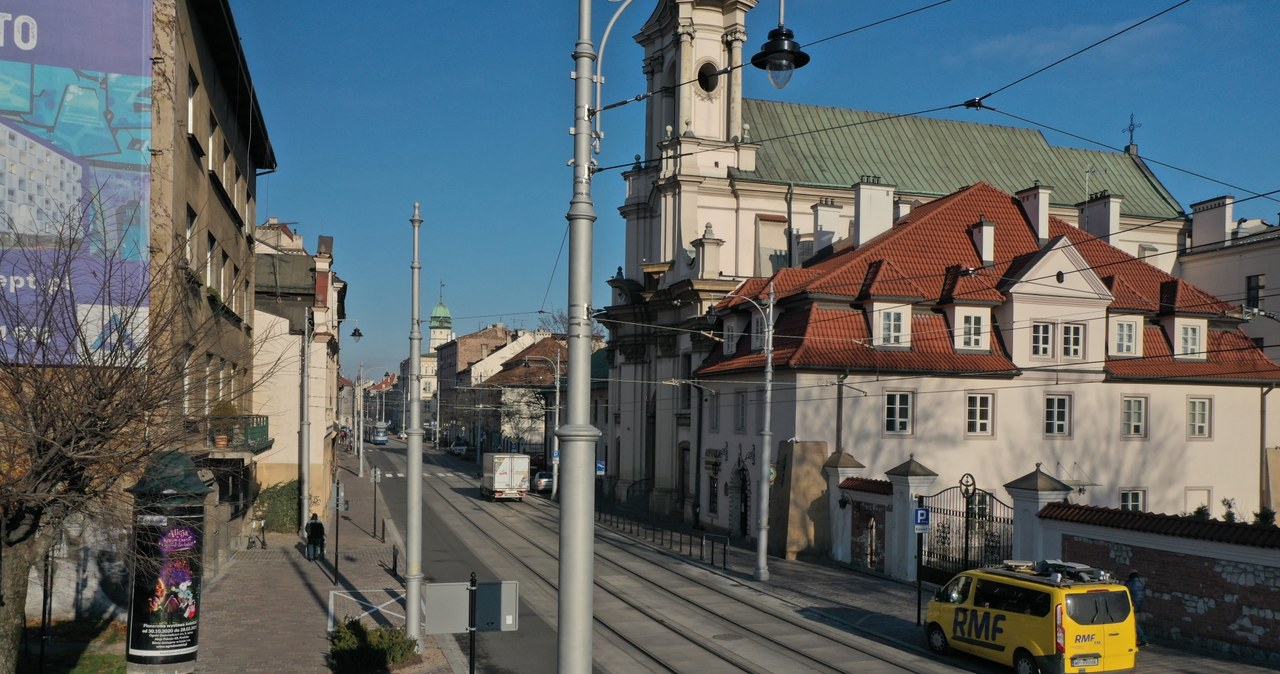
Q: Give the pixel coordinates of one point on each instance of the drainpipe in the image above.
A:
(697, 458)
(840, 412)
(1264, 477)
(791, 227)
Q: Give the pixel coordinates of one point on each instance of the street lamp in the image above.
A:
(555, 442)
(780, 56)
(766, 436)
(413, 555)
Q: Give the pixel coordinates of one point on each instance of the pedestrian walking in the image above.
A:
(315, 537)
(1137, 585)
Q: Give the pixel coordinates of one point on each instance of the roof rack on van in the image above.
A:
(1058, 571)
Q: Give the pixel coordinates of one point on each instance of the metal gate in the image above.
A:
(969, 528)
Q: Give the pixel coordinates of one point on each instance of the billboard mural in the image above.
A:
(75, 130)
(164, 621)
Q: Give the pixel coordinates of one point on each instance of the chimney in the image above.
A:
(1100, 215)
(872, 209)
(1035, 204)
(984, 240)
(706, 252)
(826, 215)
(1211, 221)
(902, 208)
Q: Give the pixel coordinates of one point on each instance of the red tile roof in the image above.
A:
(929, 256)
(867, 485)
(1168, 525)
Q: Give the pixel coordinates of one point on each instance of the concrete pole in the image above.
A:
(413, 555)
(766, 449)
(577, 438)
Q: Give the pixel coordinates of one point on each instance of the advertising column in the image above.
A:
(168, 532)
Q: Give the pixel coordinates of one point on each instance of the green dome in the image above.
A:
(441, 318)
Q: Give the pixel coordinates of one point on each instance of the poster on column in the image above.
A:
(75, 168)
(165, 606)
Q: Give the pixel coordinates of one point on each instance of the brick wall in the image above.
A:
(1212, 603)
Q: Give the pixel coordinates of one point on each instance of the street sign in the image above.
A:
(922, 520)
(449, 607)
(555, 453)
(599, 466)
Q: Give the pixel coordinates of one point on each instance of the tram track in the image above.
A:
(747, 641)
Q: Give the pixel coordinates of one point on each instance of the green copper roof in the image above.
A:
(440, 317)
(818, 145)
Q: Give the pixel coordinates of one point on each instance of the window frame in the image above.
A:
(1254, 284)
(1127, 493)
(740, 411)
(898, 411)
(1065, 412)
(1072, 340)
(1206, 423)
(971, 331)
(1189, 343)
(1129, 346)
(713, 410)
(1131, 427)
(969, 418)
(891, 327)
(1041, 339)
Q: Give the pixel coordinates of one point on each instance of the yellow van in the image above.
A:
(1050, 617)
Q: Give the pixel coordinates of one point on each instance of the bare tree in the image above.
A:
(97, 327)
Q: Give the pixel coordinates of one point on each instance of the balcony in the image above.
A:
(244, 433)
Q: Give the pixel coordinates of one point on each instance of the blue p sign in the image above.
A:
(922, 520)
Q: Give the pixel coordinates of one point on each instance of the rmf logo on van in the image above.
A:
(1084, 638)
(982, 628)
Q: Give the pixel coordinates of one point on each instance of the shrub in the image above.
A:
(279, 505)
(355, 648)
(1265, 517)
(1201, 513)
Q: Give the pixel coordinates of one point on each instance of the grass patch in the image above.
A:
(83, 647)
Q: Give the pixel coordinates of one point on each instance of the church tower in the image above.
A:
(440, 325)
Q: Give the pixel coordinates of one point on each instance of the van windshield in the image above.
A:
(1098, 608)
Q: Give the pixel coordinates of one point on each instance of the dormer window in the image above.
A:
(729, 336)
(891, 328)
(1189, 344)
(757, 332)
(1125, 338)
(971, 338)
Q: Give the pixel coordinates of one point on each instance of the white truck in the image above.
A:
(505, 476)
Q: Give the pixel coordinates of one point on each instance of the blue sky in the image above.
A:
(465, 107)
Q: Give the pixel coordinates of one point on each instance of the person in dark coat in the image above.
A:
(1138, 593)
(315, 537)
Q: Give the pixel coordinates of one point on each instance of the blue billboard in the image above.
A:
(75, 160)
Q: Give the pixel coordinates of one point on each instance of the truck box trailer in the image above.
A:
(505, 476)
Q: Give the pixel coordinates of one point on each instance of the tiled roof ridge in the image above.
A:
(1235, 533)
(868, 485)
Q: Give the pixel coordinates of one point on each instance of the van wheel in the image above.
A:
(937, 640)
(1023, 663)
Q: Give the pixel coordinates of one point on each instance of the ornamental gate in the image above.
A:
(969, 528)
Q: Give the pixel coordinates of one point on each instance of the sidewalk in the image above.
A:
(268, 610)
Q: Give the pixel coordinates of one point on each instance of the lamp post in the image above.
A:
(766, 436)
(780, 56)
(555, 442)
(413, 555)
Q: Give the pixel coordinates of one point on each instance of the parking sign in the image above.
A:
(922, 520)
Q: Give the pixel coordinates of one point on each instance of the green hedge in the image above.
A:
(279, 507)
(356, 649)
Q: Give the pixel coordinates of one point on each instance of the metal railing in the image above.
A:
(680, 540)
(249, 432)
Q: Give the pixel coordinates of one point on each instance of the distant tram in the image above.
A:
(376, 432)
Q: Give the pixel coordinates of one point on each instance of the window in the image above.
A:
(1073, 340)
(978, 414)
(685, 391)
(729, 336)
(1190, 345)
(713, 498)
(1133, 499)
(713, 411)
(1253, 287)
(1135, 417)
(1042, 340)
(213, 137)
(971, 338)
(1057, 415)
(740, 411)
(193, 88)
(1126, 338)
(209, 257)
(757, 332)
(1198, 411)
(191, 236)
(891, 327)
(897, 413)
